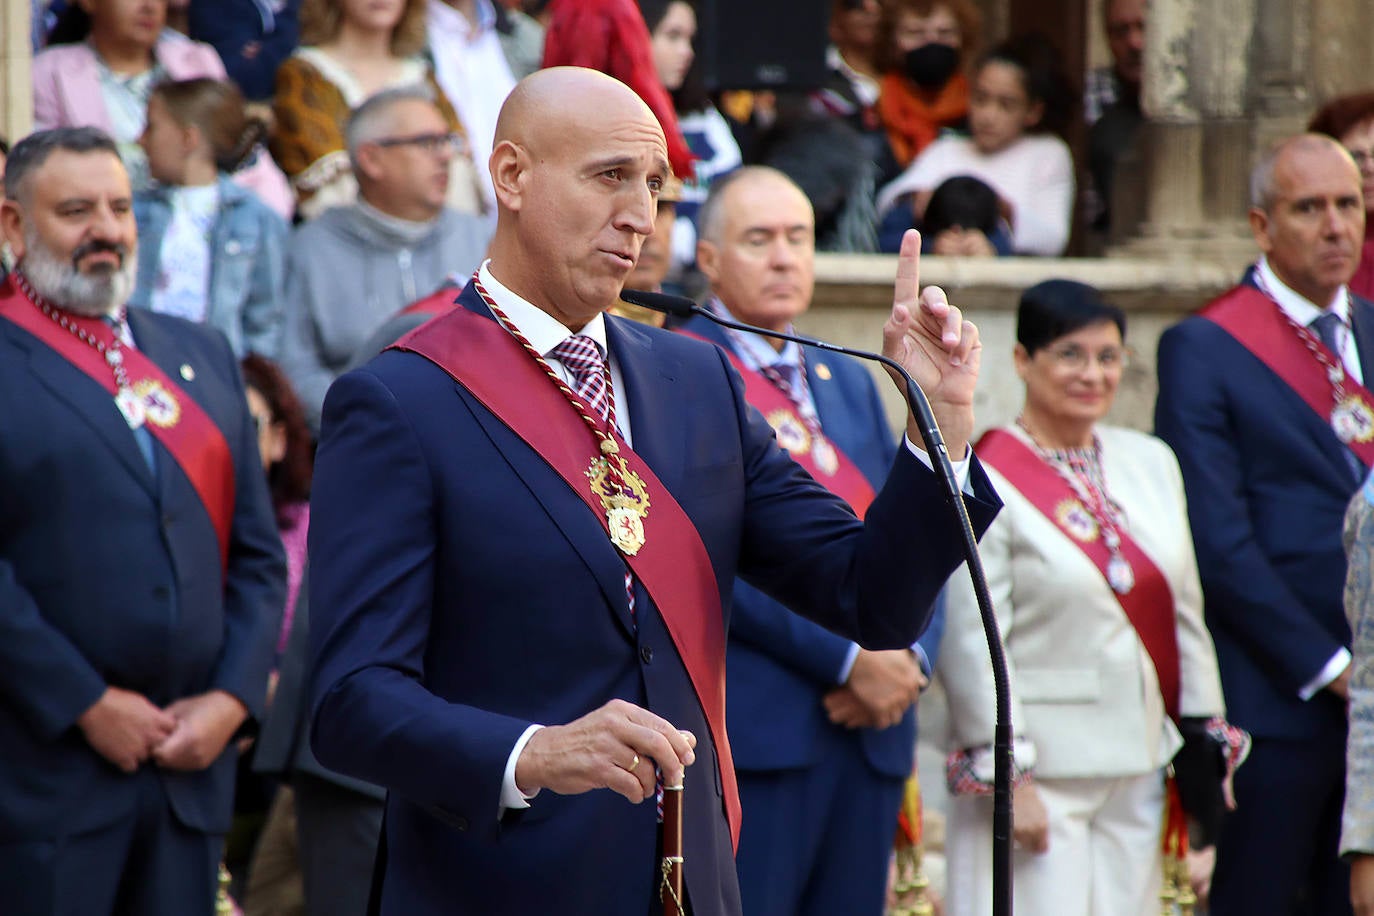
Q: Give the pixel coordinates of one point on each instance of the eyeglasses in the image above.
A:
(1075, 358)
(430, 143)
(1362, 157)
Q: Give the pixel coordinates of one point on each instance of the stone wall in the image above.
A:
(16, 61)
(854, 296)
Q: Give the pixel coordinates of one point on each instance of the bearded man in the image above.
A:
(140, 568)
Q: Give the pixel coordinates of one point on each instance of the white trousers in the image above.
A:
(1104, 856)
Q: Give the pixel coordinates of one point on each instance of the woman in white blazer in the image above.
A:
(1092, 514)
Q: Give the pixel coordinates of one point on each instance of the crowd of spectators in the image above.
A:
(310, 179)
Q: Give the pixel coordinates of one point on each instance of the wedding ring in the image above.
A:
(633, 763)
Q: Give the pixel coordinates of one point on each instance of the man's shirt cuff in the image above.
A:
(511, 796)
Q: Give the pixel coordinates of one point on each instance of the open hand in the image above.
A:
(932, 341)
(614, 747)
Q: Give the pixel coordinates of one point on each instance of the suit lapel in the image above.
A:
(88, 401)
(564, 509)
(1362, 325)
(649, 377)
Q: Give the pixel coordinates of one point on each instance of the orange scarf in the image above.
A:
(911, 121)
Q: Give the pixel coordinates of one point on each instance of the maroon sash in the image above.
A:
(672, 565)
(842, 477)
(172, 416)
(1149, 605)
(1258, 324)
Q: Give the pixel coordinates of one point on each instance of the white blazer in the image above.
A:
(1084, 691)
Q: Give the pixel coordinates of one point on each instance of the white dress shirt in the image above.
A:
(1303, 311)
(472, 70)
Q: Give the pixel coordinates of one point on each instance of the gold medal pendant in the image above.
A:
(623, 496)
(1352, 420)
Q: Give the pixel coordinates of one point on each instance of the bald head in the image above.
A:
(577, 165)
(1308, 215)
(540, 108)
(1263, 180)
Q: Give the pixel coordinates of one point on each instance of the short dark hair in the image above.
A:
(1049, 310)
(962, 201)
(29, 154)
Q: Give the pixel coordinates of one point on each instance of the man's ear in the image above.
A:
(12, 226)
(708, 260)
(509, 164)
(1259, 226)
(366, 161)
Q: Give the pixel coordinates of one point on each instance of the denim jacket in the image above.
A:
(248, 248)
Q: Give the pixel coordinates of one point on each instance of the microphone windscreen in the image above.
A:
(678, 306)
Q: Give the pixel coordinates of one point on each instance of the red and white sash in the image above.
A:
(824, 460)
(1149, 605)
(1259, 325)
(672, 565)
(172, 416)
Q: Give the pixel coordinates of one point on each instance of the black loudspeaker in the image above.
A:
(762, 44)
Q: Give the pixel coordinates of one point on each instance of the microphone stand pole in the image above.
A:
(939, 456)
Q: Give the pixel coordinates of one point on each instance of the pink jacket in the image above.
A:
(66, 93)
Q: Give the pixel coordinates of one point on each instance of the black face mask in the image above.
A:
(931, 65)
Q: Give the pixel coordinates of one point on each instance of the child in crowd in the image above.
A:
(1014, 92)
(209, 250)
(672, 31)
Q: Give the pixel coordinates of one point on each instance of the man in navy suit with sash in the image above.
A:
(1263, 398)
(823, 731)
(527, 519)
(141, 573)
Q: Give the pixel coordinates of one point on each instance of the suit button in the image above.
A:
(646, 653)
(161, 593)
(461, 823)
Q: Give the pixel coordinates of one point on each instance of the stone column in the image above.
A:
(16, 64)
(1192, 159)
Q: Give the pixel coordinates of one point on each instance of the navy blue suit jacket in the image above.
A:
(110, 576)
(462, 591)
(1268, 485)
(779, 665)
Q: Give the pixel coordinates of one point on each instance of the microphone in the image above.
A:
(682, 307)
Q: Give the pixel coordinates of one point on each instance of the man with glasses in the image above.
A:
(1263, 398)
(355, 266)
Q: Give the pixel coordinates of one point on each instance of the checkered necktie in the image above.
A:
(581, 356)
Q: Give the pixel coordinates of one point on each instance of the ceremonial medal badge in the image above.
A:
(791, 432)
(131, 406)
(1352, 420)
(1120, 576)
(160, 407)
(625, 499)
(825, 456)
(1076, 520)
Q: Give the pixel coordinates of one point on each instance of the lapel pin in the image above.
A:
(823, 372)
(187, 372)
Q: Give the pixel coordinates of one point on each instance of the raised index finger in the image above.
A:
(907, 288)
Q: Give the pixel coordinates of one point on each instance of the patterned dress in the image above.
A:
(1357, 821)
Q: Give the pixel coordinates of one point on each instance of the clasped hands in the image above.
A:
(881, 687)
(127, 729)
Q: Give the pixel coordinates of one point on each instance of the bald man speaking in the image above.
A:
(527, 519)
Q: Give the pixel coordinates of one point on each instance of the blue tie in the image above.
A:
(1326, 325)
